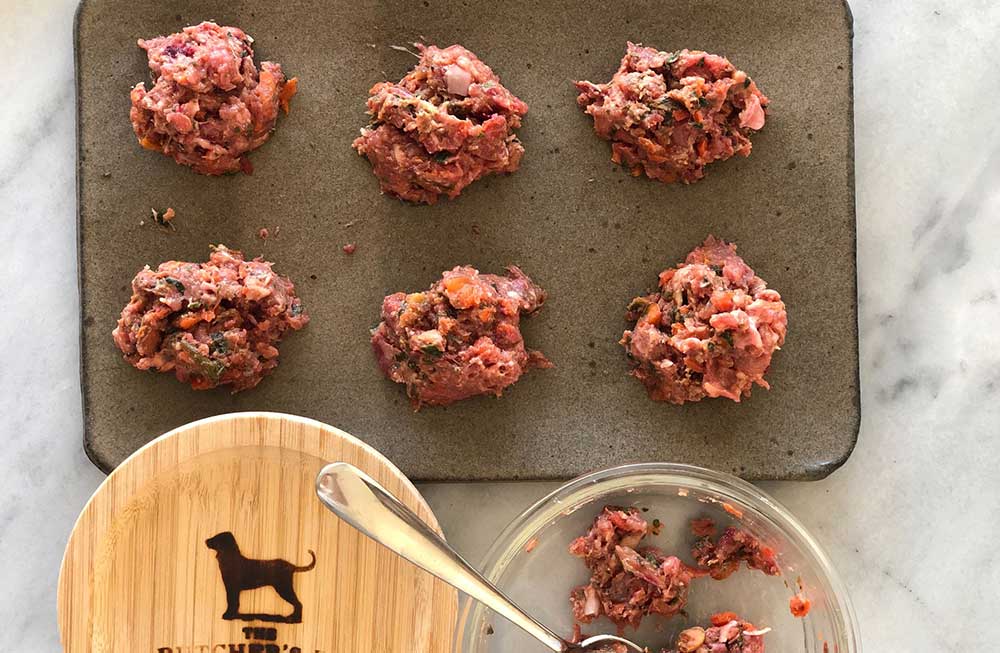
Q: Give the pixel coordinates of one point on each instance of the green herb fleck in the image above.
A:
(296, 309)
(432, 350)
(728, 337)
(656, 523)
(716, 269)
(678, 316)
(210, 369)
(665, 104)
(651, 559)
(400, 356)
(442, 156)
(673, 57)
(697, 125)
(638, 304)
(175, 283)
(701, 62)
(746, 82)
(194, 305)
(702, 101)
(219, 344)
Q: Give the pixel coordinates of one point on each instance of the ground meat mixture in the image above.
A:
(668, 115)
(447, 123)
(211, 324)
(209, 105)
(709, 331)
(727, 634)
(627, 581)
(723, 557)
(460, 338)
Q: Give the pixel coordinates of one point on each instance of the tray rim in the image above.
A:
(817, 473)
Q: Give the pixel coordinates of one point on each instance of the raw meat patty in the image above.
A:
(460, 338)
(668, 115)
(209, 105)
(627, 581)
(211, 324)
(447, 123)
(709, 331)
(727, 634)
(722, 557)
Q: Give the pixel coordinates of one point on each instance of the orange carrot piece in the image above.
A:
(290, 88)
(723, 618)
(653, 314)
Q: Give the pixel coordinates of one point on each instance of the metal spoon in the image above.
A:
(364, 504)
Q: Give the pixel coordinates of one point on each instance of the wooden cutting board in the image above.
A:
(590, 234)
(204, 514)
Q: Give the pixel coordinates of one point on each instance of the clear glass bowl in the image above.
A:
(529, 561)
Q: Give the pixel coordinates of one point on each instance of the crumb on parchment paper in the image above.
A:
(164, 219)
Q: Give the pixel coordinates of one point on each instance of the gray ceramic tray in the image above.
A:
(589, 233)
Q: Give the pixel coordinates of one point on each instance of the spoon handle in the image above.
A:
(364, 504)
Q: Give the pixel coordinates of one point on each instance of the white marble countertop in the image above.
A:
(911, 520)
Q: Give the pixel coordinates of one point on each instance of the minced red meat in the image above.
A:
(709, 331)
(723, 557)
(627, 582)
(460, 338)
(209, 105)
(727, 634)
(211, 324)
(669, 114)
(447, 123)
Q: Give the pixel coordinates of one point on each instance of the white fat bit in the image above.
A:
(756, 633)
(458, 79)
(729, 631)
(592, 606)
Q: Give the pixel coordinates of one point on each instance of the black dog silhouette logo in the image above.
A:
(240, 574)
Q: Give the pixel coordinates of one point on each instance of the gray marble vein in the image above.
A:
(911, 520)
